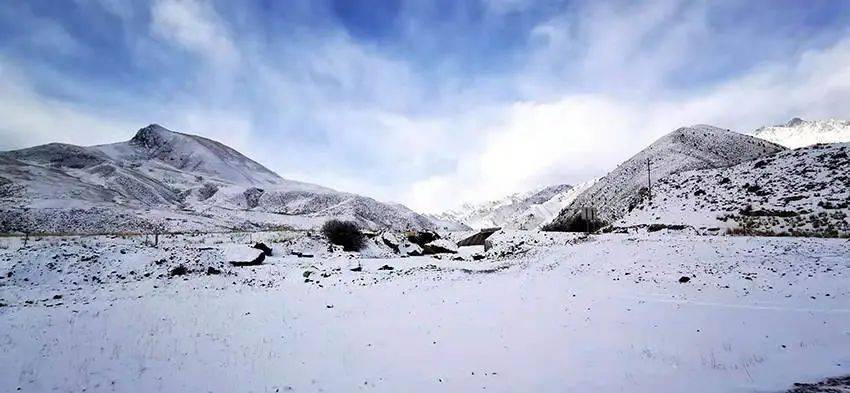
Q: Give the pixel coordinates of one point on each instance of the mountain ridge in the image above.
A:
(522, 210)
(686, 148)
(172, 179)
(800, 133)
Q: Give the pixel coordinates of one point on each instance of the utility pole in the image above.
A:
(649, 180)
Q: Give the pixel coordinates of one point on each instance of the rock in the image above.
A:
(207, 191)
(178, 271)
(839, 384)
(477, 257)
(390, 241)
(410, 249)
(244, 256)
(212, 271)
(266, 249)
(405, 246)
(684, 279)
(386, 267)
(422, 238)
(357, 269)
(301, 254)
(252, 196)
(440, 246)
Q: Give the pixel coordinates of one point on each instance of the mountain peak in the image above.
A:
(794, 122)
(685, 149)
(153, 135)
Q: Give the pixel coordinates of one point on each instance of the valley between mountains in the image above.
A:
(172, 262)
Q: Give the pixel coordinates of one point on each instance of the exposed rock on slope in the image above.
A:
(180, 181)
(799, 133)
(687, 148)
(799, 192)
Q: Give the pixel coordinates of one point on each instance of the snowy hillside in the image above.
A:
(687, 148)
(164, 178)
(542, 213)
(800, 192)
(799, 133)
(526, 210)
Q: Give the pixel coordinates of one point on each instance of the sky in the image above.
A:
(431, 103)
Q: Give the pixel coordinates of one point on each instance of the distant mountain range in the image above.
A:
(703, 177)
(799, 133)
(176, 181)
(527, 210)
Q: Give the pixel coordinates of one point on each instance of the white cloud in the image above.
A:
(576, 137)
(28, 118)
(194, 25)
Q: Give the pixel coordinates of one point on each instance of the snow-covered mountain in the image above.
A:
(527, 210)
(799, 133)
(797, 192)
(169, 179)
(687, 148)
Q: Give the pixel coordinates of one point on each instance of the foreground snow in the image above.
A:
(601, 314)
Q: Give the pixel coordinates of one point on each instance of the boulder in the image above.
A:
(422, 238)
(410, 249)
(244, 256)
(402, 246)
(390, 241)
(266, 249)
(440, 246)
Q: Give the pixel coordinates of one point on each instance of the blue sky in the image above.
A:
(429, 103)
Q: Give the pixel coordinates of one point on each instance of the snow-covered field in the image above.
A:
(542, 312)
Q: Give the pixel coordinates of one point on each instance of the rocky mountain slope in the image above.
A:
(799, 133)
(804, 191)
(687, 148)
(178, 182)
(527, 210)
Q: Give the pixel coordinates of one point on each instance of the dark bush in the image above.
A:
(344, 233)
(573, 224)
(178, 271)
